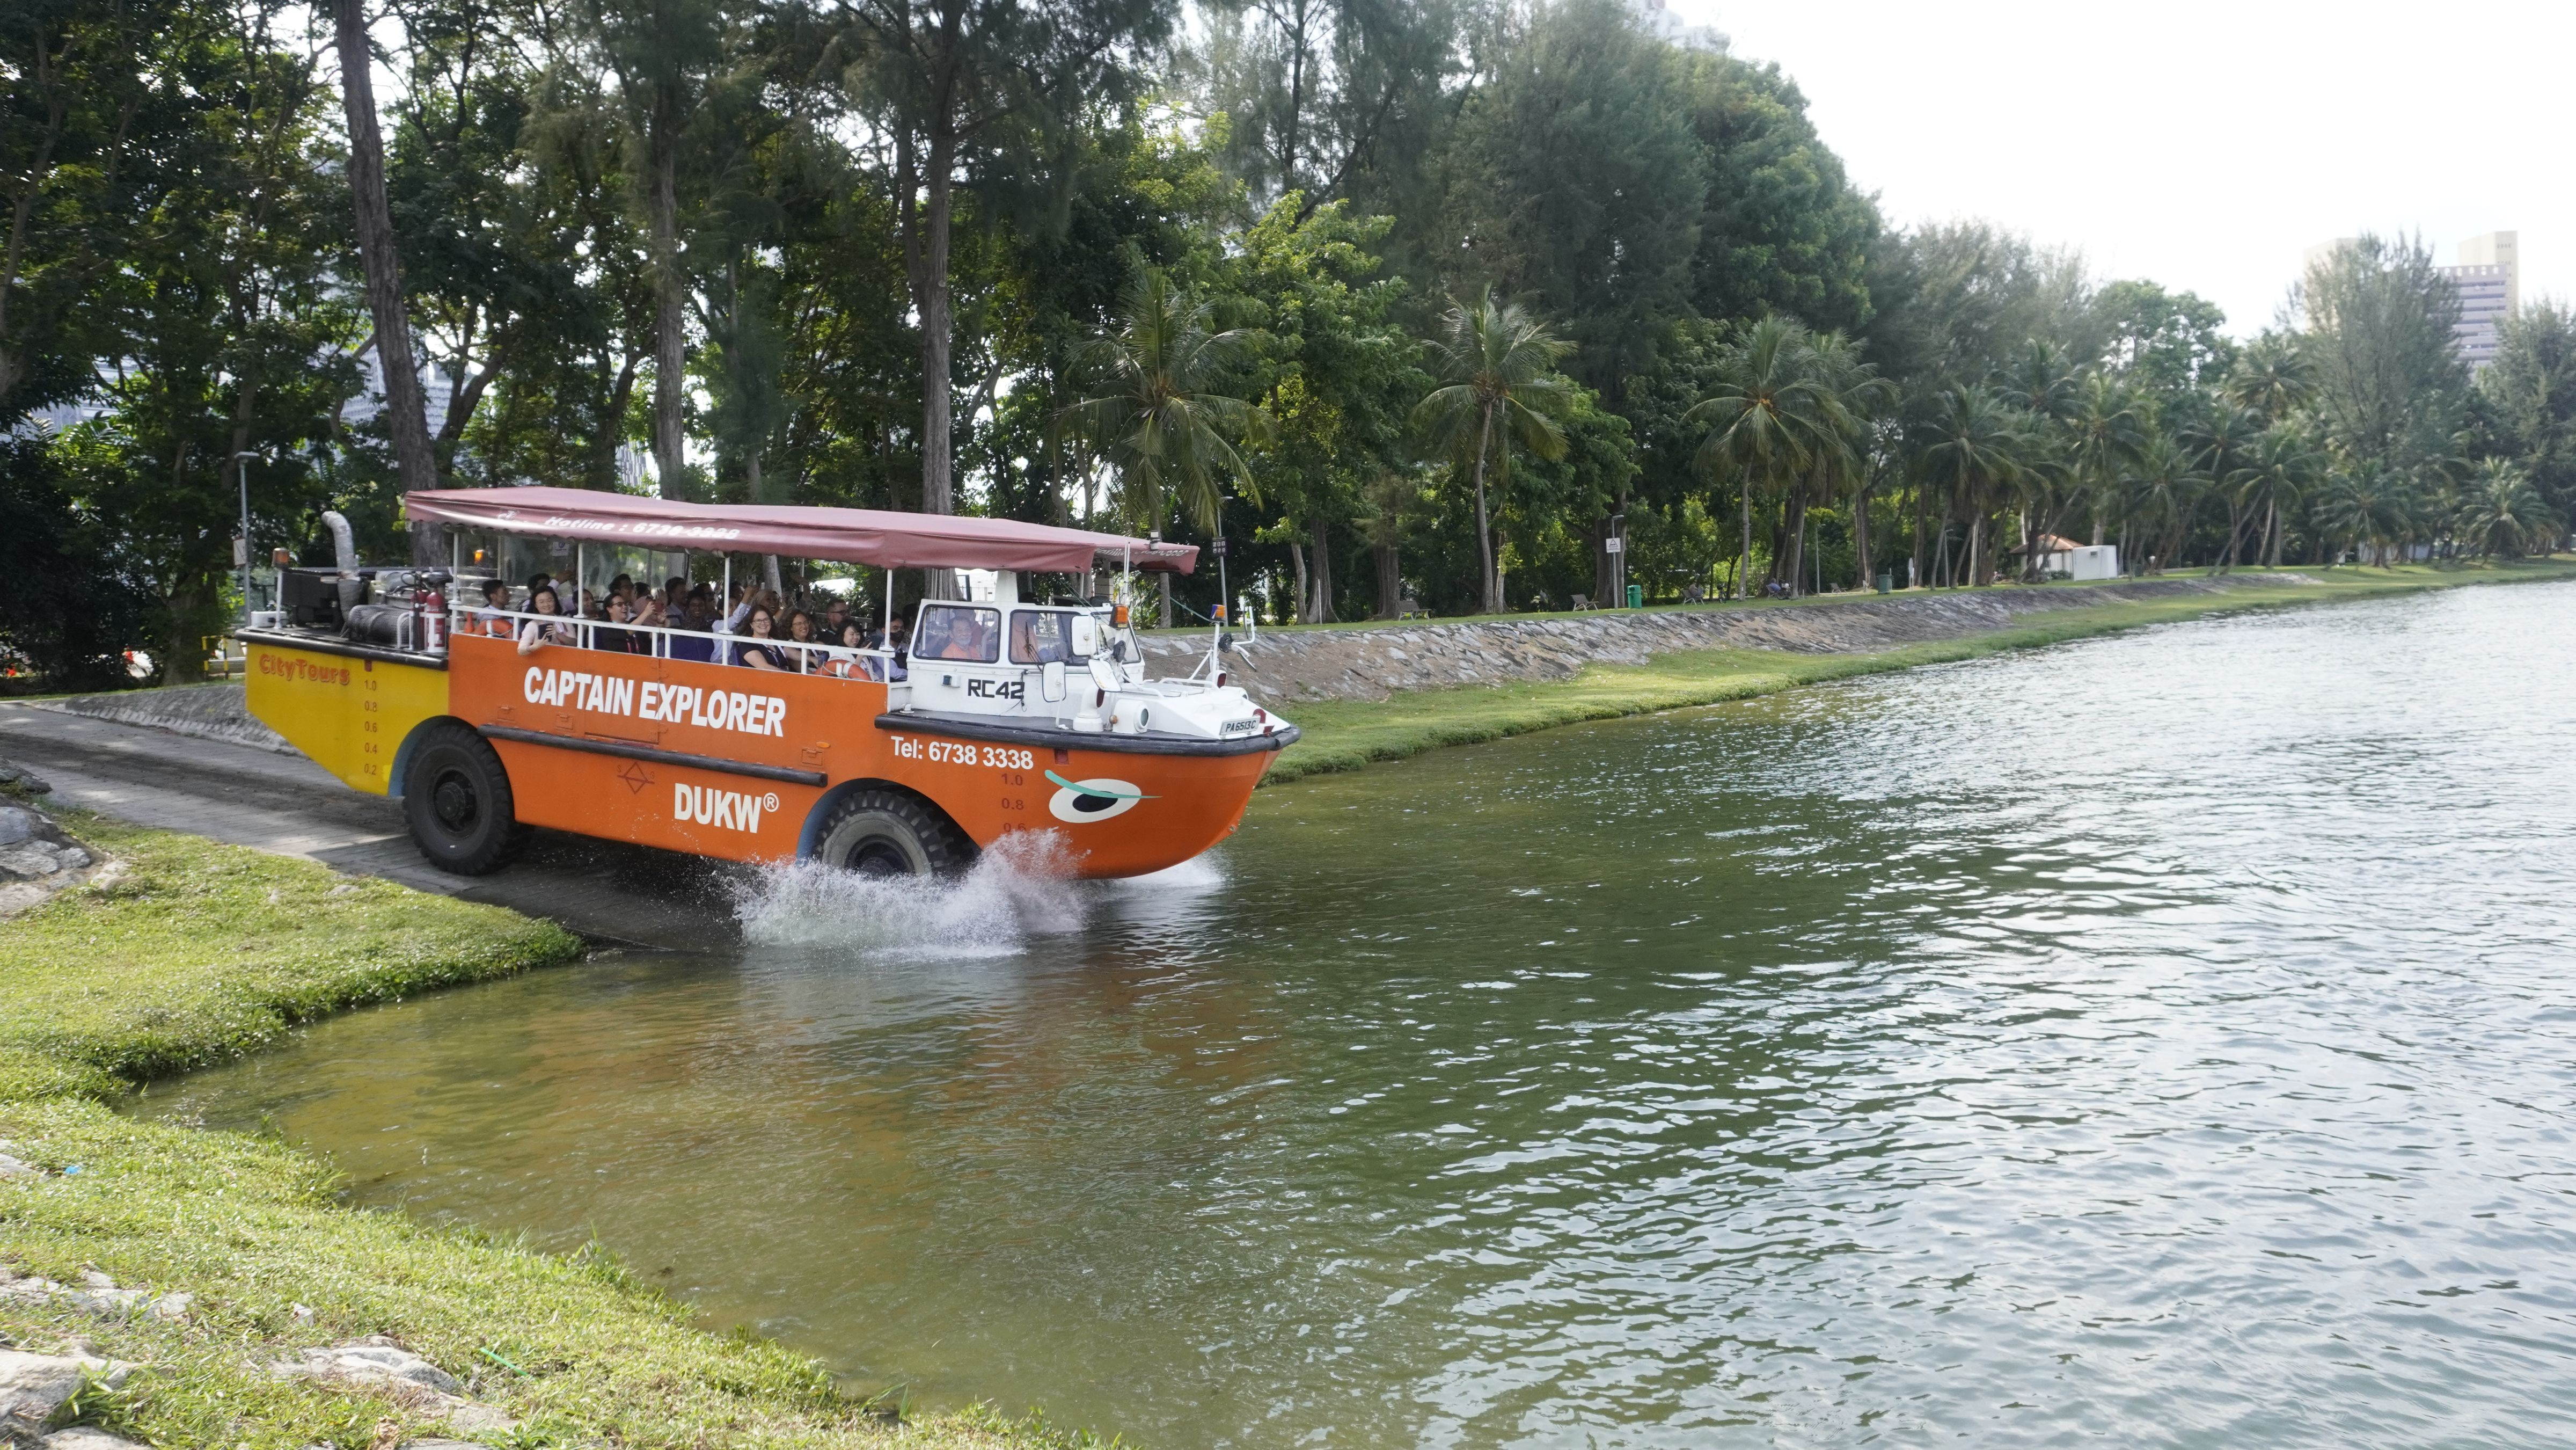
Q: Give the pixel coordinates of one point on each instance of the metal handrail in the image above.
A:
(461, 618)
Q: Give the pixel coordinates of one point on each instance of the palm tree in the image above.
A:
(2504, 513)
(2273, 378)
(2042, 383)
(1973, 446)
(2106, 434)
(1501, 388)
(2163, 494)
(1855, 395)
(2220, 438)
(1770, 417)
(1154, 414)
(2280, 466)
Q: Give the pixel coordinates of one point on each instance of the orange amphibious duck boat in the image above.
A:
(1006, 715)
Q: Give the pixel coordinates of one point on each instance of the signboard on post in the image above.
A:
(1218, 548)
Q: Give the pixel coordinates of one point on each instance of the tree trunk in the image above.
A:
(1977, 575)
(2272, 530)
(405, 410)
(1323, 611)
(1793, 529)
(1860, 535)
(1305, 581)
(1166, 579)
(1493, 580)
(1919, 576)
(1390, 581)
(670, 323)
(1744, 551)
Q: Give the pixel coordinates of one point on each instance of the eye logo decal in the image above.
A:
(1080, 802)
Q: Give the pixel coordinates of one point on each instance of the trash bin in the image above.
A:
(1636, 596)
(1886, 580)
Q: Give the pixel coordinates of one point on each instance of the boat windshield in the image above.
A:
(958, 632)
(1043, 637)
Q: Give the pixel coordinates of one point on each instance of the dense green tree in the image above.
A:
(1781, 228)
(1576, 181)
(1333, 368)
(2531, 385)
(984, 93)
(2390, 389)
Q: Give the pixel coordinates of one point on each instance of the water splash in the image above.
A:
(1022, 887)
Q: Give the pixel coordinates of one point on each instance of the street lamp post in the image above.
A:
(241, 467)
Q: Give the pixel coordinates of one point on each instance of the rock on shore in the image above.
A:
(1372, 663)
(37, 857)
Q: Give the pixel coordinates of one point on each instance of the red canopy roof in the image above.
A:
(860, 536)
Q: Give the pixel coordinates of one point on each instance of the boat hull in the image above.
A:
(745, 765)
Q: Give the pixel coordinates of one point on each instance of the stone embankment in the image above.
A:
(219, 711)
(1374, 662)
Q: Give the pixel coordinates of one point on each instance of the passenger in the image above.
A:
(649, 617)
(852, 666)
(746, 599)
(620, 641)
(800, 630)
(623, 587)
(539, 633)
(899, 642)
(757, 651)
(494, 620)
(835, 614)
(697, 614)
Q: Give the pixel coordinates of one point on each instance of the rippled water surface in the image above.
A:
(2165, 1039)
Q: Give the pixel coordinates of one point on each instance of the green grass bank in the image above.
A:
(1351, 734)
(197, 951)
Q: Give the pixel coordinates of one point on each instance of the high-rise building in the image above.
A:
(2489, 278)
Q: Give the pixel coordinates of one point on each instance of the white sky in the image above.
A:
(2199, 143)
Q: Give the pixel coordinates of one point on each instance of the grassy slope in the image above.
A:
(1349, 734)
(204, 950)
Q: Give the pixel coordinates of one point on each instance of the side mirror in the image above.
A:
(1104, 674)
(1051, 679)
(1086, 636)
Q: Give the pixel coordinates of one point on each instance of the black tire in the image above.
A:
(457, 798)
(888, 833)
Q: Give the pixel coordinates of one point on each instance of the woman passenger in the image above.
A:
(853, 666)
(620, 641)
(800, 630)
(542, 632)
(760, 652)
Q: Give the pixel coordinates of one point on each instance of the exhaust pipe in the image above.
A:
(344, 544)
(344, 550)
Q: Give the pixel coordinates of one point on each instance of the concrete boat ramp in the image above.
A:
(180, 760)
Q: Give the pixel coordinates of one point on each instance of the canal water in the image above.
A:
(2167, 1039)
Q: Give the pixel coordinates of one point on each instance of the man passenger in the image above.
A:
(489, 620)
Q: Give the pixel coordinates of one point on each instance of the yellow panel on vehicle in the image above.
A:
(349, 714)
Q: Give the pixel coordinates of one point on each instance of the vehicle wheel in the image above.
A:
(457, 798)
(885, 833)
